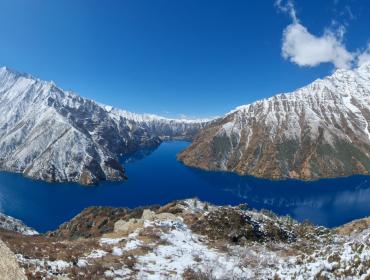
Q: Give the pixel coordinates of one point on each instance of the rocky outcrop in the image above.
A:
(9, 267)
(15, 225)
(236, 226)
(130, 226)
(54, 135)
(318, 131)
(127, 227)
(354, 226)
(95, 221)
(190, 239)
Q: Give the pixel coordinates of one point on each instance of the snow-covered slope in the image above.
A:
(189, 240)
(15, 225)
(320, 130)
(50, 134)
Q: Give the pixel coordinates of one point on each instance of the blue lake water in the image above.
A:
(159, 178)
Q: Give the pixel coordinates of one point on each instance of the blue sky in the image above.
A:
(196, 58)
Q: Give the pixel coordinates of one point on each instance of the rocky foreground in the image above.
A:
(188, 240)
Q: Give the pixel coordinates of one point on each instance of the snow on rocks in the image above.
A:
(318, 131)
(184, 250)
(191, 239)
(38, 120)
(97, 254)
(12, 224)
(82, 263)
(110, 241)
(50, 268)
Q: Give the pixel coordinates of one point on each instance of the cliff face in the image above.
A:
(190, 240)
(318, 131)
(54, 135)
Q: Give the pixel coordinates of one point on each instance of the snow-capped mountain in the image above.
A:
(55, 135)
(320, 130)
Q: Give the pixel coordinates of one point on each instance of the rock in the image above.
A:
(96, 221)
(87, 178)
(238, 227)
(9, 268)
(12, 224)
(148, 215)
(172, 207)
(354, 226)
(127, 227)
(167, 216)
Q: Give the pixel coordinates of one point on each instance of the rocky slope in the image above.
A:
(15, 225)
(54, 135)
(191, 239)
(318, 131)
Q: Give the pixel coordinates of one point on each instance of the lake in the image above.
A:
(157, 178)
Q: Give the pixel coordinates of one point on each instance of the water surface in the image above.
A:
(159, 178)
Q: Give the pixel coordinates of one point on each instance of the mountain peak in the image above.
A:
(364, 68)
(5, 69)
(10, 71)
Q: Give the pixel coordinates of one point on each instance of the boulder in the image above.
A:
(128, 227)
(9, 267)
(167, 216)
(148, 215)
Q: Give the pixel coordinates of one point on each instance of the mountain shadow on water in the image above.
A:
(139, 154)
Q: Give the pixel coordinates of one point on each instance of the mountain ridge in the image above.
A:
(318, 131)
(54, 135)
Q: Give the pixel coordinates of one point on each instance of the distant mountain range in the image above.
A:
(318, 131)
(55, 135)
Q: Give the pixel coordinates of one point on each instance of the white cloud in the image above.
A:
(306, 49)
(364, 57)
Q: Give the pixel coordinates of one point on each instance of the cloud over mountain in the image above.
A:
(306, 49)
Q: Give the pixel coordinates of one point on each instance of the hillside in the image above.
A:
(318, 131)
(54, 135)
